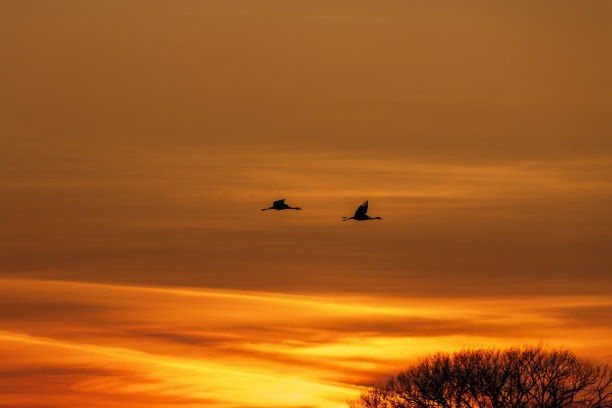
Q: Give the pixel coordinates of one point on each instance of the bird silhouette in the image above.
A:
(360, 214)
(280, 205)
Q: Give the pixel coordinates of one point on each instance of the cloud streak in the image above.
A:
(135, 344)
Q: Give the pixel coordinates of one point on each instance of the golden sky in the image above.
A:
(140, 139)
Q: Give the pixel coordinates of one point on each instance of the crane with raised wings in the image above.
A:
(361, 214)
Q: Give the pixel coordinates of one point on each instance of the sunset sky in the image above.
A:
(140, 139)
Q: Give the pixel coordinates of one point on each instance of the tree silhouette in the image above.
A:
(528, 377)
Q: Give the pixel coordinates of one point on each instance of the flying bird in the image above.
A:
(360, 214)
(280, 205)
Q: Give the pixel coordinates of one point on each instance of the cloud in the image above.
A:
(179, 216)
(583, 316)
(132, 343)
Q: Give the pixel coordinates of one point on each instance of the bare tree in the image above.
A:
(528, 377)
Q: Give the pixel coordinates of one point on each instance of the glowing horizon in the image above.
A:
(135, 345)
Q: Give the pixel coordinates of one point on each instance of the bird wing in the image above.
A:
(362, 210)
(279, 202)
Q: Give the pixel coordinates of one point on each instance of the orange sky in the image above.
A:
(140, 140)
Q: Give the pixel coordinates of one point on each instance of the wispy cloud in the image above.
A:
(190, 211)
(230, 348)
